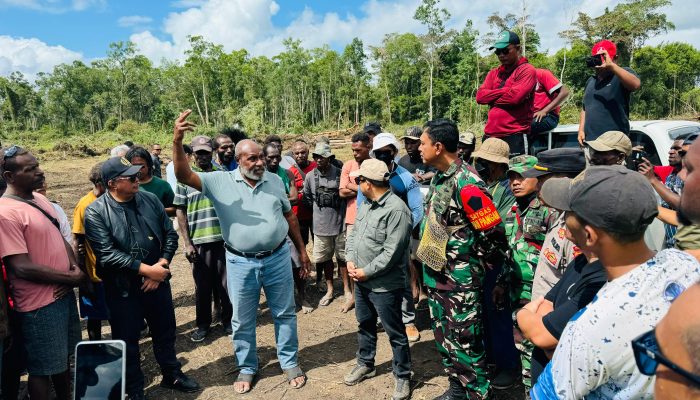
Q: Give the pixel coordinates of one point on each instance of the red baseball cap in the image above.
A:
(605, 45)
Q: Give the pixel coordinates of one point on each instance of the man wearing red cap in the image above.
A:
(606, 98)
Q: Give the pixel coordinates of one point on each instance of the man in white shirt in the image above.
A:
(607, 211)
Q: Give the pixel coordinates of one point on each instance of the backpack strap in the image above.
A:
(53, 220)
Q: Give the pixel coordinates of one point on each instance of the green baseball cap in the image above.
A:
(504, 39)
(521, 164)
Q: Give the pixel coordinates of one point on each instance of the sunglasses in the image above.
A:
(505, 50)
(11, 152)
(648, 356)
(359, 180)
(132, 178)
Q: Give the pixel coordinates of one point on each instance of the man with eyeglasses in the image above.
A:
(670, 351)
(377, 259)
(607, 211)
(134, 243)
(42, 270)
(509, 90)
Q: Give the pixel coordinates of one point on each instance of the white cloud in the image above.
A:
(55, 6)
(31, 56)
(248, 24)
(134, 21)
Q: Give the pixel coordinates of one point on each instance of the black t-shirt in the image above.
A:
(576, 288)
(412, 167)
(607, 106)
(146, 247)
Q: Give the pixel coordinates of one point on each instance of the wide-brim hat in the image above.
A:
(494, 150)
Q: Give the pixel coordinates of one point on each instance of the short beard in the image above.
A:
(250, 174)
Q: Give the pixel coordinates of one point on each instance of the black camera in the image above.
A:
(594, 61)
(637, 157)
(327, 198)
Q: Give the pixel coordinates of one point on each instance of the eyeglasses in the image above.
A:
(504, 50)
(648, 356)
(11, 152)
(359, 180)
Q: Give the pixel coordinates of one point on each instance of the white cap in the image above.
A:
(384, 139)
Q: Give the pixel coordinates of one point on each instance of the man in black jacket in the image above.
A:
(134, 242)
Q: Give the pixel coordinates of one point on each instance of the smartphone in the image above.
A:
(100, 370)
(636, 158)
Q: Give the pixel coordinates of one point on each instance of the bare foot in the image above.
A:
(349, 304)
(297, 382)
(241, 387)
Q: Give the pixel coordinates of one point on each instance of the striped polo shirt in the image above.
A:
(203, 223)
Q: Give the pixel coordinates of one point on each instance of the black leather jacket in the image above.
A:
(107, 231)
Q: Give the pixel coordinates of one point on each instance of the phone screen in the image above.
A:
(99, 370)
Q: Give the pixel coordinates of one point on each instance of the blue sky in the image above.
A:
(36, 35)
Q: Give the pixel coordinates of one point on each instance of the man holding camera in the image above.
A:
(606, 98)
(322, 192)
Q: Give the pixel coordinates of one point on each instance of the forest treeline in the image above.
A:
(406, 78)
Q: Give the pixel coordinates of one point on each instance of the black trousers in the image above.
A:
(209, 273)
(517, 142)
(127, 314)
(386, 305)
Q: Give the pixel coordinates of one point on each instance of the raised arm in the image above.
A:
(183, 172)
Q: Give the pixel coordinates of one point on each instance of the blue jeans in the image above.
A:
(245, 277)
(549, 122)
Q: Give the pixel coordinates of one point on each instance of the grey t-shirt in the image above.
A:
(252, 219)
(327, 221)
(607, 106)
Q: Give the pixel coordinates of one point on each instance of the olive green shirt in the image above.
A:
(379, 242)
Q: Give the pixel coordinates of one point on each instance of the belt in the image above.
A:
(254, 254)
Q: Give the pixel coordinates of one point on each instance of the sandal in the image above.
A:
(293, 373)
(325, 300)
(246, 378)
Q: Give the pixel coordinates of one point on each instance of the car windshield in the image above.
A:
(683, 131)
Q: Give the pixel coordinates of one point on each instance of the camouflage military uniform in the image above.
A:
(455, 293)
(526, 230)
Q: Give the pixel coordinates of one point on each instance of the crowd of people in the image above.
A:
(538, 269)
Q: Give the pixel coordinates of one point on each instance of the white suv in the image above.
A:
(655, 136)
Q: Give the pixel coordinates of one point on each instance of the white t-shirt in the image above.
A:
(63, 223)
(594, 357)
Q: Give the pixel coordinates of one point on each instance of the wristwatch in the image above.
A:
(515, 317)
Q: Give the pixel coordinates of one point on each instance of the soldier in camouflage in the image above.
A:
(455, 291)
(527, 223)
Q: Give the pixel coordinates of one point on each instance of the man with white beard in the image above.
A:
(256, 217)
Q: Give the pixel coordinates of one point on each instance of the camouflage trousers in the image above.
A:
(457, 324)
(525, 348)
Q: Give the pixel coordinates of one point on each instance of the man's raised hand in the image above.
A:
(182, 125)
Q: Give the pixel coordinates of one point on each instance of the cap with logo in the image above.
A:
(604, 45)
(504, 39)
(554, 161)
(520, 164)
(412, 133)
(382, 140)
(494, 150)
(373, 169)
(116, 167)
(201, 143)
(467, 138)
(612, 198)
(372, 127)
(322, 149)
(612, 140)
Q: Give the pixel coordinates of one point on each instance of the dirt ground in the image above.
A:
(327, 337)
